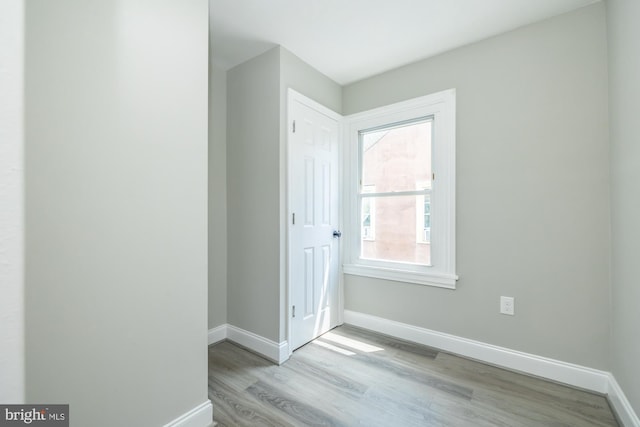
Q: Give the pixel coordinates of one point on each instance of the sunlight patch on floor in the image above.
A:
(351, 343)
(333, 348)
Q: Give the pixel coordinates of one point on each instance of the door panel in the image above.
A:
(326, 194)
(309, 282)
(313, 252)
(309, 185)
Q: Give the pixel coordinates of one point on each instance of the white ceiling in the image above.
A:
(349, 40)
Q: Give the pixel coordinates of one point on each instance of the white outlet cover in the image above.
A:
(507, 305)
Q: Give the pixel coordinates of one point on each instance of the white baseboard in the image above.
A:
(575, 375)
(200, 416)
(621, 405)
(274, 351)
(217, 334)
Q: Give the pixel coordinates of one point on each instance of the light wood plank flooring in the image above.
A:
(352, 377)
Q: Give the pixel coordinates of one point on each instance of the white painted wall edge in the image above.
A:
(621, 406)
(271, 350)
(200, 416)
(575, 375)
(12, 365)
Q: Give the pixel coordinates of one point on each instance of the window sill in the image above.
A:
(439, 280)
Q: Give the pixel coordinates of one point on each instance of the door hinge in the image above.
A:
(293, 311)
(294, 126)
(293, 218)
(433, 176)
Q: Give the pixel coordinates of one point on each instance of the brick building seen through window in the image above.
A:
(396, 226)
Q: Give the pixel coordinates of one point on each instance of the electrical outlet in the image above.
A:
(507, 305)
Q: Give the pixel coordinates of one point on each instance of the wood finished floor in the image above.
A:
(352, 377)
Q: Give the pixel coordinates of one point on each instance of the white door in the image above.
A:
(313, 219)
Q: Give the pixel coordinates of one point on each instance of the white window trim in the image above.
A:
(442, 271)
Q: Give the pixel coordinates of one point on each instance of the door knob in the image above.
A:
(337, 233)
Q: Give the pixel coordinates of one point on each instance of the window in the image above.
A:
(400, 178)
(392, 159)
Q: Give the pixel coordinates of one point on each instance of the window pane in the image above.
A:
(395, 219)
(397, 158)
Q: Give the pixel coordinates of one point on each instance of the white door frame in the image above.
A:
(293, 96)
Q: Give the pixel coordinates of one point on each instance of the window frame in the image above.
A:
(441, 108)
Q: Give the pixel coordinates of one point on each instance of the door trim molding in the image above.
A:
(293, 96)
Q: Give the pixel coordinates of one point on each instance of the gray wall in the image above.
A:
(116, 208)
(532, 190)
(253, 132)
(302, 77)
(217, 196)
(624, 63)
(256, 184)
